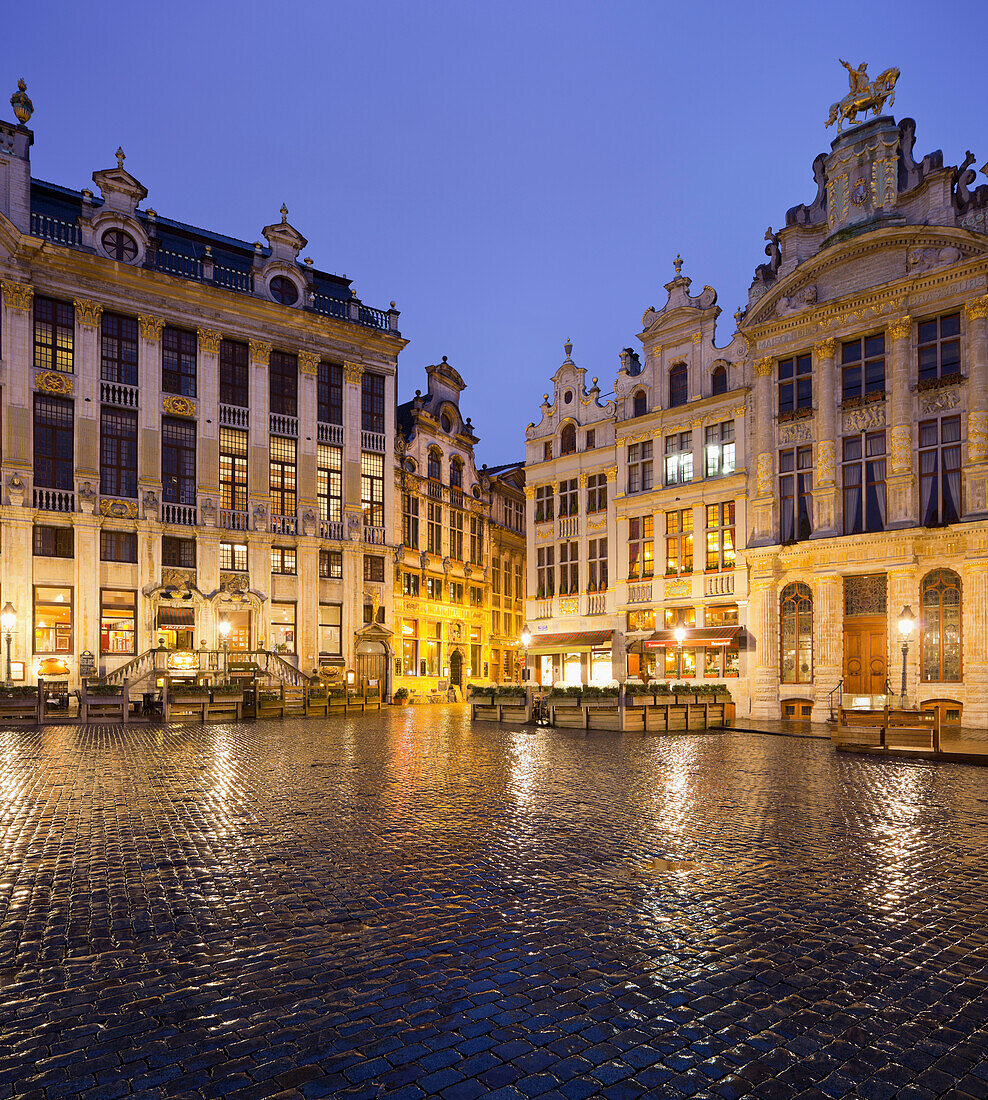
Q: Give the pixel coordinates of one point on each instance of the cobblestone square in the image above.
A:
(407, 905)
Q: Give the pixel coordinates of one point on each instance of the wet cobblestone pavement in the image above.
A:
(406, 905)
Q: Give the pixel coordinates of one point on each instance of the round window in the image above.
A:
(445, 423)
(283, 290)
(568, 396)
(119, 245)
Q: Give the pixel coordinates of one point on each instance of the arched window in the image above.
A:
(719, 380)
(567, 440)
(456, 473)
(640, 403)
(435, 466)
(940, 602)
(677, 385)
(796, 615)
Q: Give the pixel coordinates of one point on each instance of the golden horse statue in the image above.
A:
(863, 96)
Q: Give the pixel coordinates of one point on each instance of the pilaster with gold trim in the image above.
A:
(826, 512)
(763, 504)
(308, 434)
(149, 411)
(900, 377)
(86, 367)
(976, 474)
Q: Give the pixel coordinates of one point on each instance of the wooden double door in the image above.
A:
(865, 655)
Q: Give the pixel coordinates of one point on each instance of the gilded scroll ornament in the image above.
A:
(978, 309)
(88, 313)
(977, 436)
(50, 381)
(178, 406)
(583, 481)
(612, 473)
(118, 509)
(352, 373)
(764, 475)
(308, 363)
(17, 295)
(825, 452)
(209, 341)
(900, 328)
(825, 348)
(569, 605)
(260, 352)
(885, 181)
(677, 588)
(763, 367)
(150, 327)
(900, 447)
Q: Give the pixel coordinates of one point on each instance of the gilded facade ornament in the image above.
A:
(87, 313)
(51, 381)
(308, 363)
(612, 473)
(738, 410)
(569, 605)
(900, 328)
(900, 447)
(530, 492)
(260, 352)
(763, 367)
(177, 406)
(864, 95)
(978, 309)
(150, 327)
(677, 588)
(977, 436)
(885, 181)
(825, 348)
(118, 509)
(209, 341)
(825, 453)
(764, 475)
(697, 337)
(17, 295)
(352, 373)
(21, 102)
(583, 481)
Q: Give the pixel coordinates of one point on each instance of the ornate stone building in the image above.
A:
(459, 572)
(823, 470)
(194, 427)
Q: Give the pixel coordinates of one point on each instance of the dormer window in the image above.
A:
(639, 404)
(445, 423)
(435, 466)
(119, 245)
(567, 441)
(718, 380)
(456, 474)
(677, 385)
(283, 290)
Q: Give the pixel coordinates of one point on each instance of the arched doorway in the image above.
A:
(456, 668)
(372, 664)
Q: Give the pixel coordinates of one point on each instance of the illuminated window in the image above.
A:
(54, 334)
(641, 547)
(118, 615)
(679, 541)
(941, 626)
(796, 615)
(53, 620)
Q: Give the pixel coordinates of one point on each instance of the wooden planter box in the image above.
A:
(481, 700)
(605, 701)
(317, 704)
(639, 700)
(103, 708)
(515, 711)
(355, 703)
(372, 702)
(569, 716)
(271, 707)
(565, 701)
(336, 704)
(186, 708)
(485, 712)
(676, 716)
(225, 708)
(22, 706)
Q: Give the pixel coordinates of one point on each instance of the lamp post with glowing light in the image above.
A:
(906, 623)
(224, 629)
(680, 635)
(526, 640)
(8, 620)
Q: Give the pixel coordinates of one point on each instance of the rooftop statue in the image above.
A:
(864, 95)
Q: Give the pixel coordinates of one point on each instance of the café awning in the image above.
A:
(176, 616)
(695, 636)
(576, 642)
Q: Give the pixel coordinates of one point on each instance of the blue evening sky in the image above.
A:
(511, 174)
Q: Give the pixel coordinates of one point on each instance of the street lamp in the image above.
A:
(680, 635)
(906, 623)
(224, 629)
(8, 620)
(526, 640)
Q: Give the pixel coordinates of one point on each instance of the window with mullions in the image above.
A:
(544, 504)
(863, 368)
(678, 385)
(569, 498)
(283, 383)
(180, 552)
(456, 534)
(233, 557)
(940, 347)
(329, 393)
(178, 361)
(53, 436)
(720, 536)
(567, 440)
(117, 545)
(597, 493)
(329, 482)
(434, 466)
(372, 402)
(281, 475)
(639, 405)
(641, 547)
(53, 542)
(331, 564)
(507, 577)
(679, 541)
(569, 568)
(718, 380)
(118, 619)
(54, 334)
(455, 592)
(434, 588)
(545, 572)
(940, 626)
(940, 471)
(679, 458)
(434, 528)
(863, 470)
(718, 449)
(795, 383)
(372, 488)
(118, 452)
(118, 349)
(456, 473)
(477, 540)
(331, 629)
(597, 565)
(410, 585)
(410, 521)
(283, 560)
(234, 373)
(233, 469)
(796, 622)
(640, 467)
(795, 494)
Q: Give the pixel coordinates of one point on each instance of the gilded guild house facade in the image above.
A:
(194, 427)
(786, 496)
(459, 571)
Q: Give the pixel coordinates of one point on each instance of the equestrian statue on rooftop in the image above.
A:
(864, 95)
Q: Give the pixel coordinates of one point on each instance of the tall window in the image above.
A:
(718, 449)
(679, 541)
(53, 620)
(678, 385)
(567, 440)
(234, 374)
(331, 629)
(53, 461)
(373, 567)
(233, 469)
(679, 458)
(940, 347)
(795, 494)
(329, 393)
(329, 482)
(456, 473)
(433, 587)
(434, 466)
(53, 542)
(941, 626)
(641, 547)
(545, 572)
(118, 452)
(597, 565)
(519, 587)
(863, 367)
(597, 493)
(796, 615)
(54, 334)
(940, 471)
(283, 560)
(456, 534)
(718, 380)
(507, 578)
(410, 520)
(434, 528)
(590, 440)
(639, 405)
(117, 545)
(372, 488)
(547, 451)
(864, 483)
(233, 557)
(180, 552)
(331, 564)
(410, 585)
(281, 476)
(118, 615)
(544, 504)
(118, 349)
(569, 568)
(283, 383)
(178, 361)
(477, 540)
(640, 466)
(372, 402)
(795, 383)
(720, 536)
(495, 576)
(569, 498)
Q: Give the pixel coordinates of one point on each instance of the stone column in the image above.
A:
(763, 527)
(258, 478)
(16, 351)
(308, 373)
(828, 641)
(977, 416)
(352, 375)
(149, 414)
(208, 429)
(763, 633)
(86, 606)
(307, 610)
(16, 578)
(900, 478)
(903, 591)
(825, 519)
(86, 363)
(974, 641)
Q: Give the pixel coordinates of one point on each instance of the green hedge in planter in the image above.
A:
(227, 689)
(23, 691)
(179, 691)
(401, 695)
(104, 689)
(510, 691)
(636, 687)
(593, 691)
(567, 692)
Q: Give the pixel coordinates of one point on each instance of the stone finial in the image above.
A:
(568, 347)
(21, 102)
(677, 263)
(120, 155)
(284, 214)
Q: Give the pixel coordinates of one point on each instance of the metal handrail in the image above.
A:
(836, 691)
